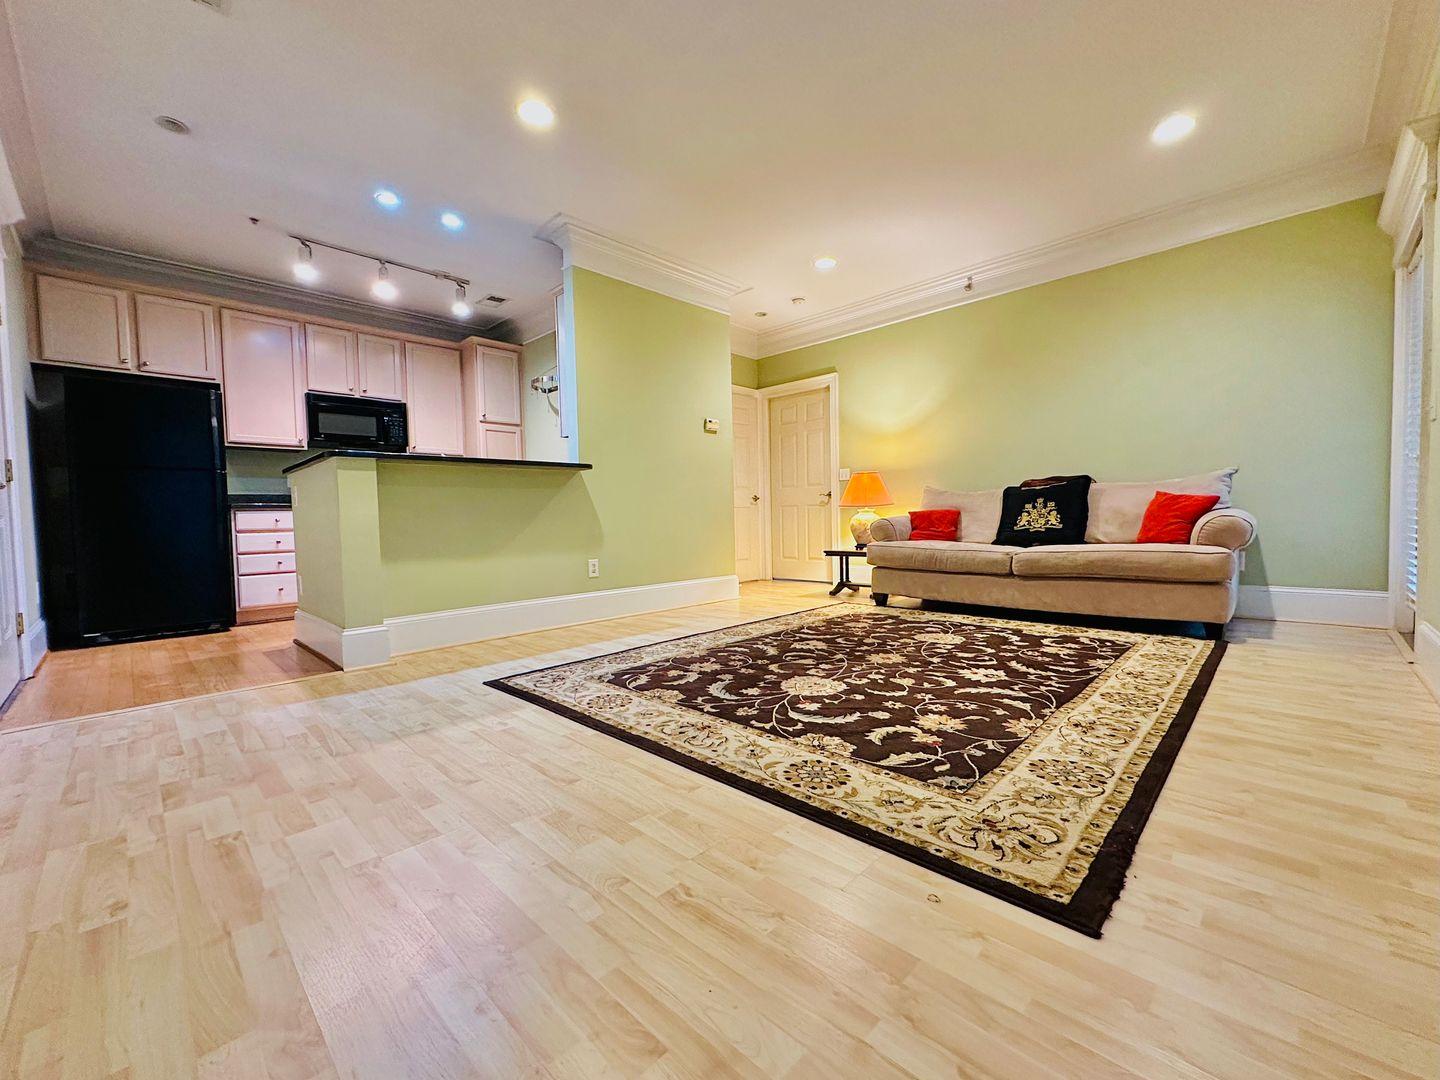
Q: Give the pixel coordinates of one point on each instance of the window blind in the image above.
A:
(1413, 328)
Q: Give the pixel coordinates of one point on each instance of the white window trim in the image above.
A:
(1402, 608)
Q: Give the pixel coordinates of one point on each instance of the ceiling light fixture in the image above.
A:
(304, 266)
(534, 113)
(452, 221)
(382, 288)
(797, 300)
(387, 198)
(1172, 129)
(461, 308)
(825, 262)
(170, 124)
(761, 314)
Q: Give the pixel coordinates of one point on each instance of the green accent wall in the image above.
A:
(540, 414)
(1268, 348)
(744, 371)
(338, 555)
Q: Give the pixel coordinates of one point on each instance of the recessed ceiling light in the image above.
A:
(797, 300)
(383, 288)
(304, 266)
(387, 198)
(1172, 129)
(170, 124)
(534, 113)
(761, 314)
(452, 221)
(825, 262)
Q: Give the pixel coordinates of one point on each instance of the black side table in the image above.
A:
(845, 555)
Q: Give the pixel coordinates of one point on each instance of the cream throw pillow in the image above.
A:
(979, 511)
(1116, 510)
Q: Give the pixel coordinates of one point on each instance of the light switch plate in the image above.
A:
(712, 426)
(844, 474)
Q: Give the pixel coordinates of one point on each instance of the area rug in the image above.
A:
(1019, 758)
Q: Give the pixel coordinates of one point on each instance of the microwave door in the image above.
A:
(357, 429)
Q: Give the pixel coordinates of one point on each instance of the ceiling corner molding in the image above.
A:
(146, 270)
(537, 322)
(1412, 180)
(588, 247)
(744, 341)
(1283, 195)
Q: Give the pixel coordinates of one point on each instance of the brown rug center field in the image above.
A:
(1020, 758)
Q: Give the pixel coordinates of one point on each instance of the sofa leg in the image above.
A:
(1215, 631)
(880, 598)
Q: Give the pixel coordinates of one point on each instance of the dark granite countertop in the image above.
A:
(245, 500)
(382, 456)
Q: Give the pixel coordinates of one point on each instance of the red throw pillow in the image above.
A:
(1170, 519)
(934, 524)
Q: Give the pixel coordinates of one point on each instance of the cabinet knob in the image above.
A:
(277, 543)
(144, 363)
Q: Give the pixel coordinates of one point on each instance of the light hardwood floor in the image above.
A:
(79, 682)
(400, 873)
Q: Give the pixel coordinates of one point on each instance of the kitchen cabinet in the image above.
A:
(264, 379)
(433, 393)
(382, 367)
(330, 365)
(85, 324)
(266, 585)
(500, 441)
(176, 338)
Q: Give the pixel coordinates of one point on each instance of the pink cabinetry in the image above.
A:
(382, 364)
(433, 391)
(329, 359)
(492, 403)
(176, 338)
(86, 324)
(264, 379)
(266, 585)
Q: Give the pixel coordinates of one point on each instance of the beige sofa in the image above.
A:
(1194, 582)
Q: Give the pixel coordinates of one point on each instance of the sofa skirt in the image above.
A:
(1183, 601)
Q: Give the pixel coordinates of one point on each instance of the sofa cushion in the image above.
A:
(953, 556)
(1053, 514)
(979, 511)
(1127, 562)
(1116, 510)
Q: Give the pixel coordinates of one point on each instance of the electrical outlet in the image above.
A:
(594, 567)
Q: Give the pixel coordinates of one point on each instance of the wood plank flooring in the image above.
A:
(401, 873)
(80, 682)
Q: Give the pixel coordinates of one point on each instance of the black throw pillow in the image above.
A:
(1054, 514)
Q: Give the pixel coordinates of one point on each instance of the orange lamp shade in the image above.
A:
(866, 489)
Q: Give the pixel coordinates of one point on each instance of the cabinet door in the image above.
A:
(83, 324)
(432, 396)
(501, 441)
(500, 386)
(264, 380)
(381, 367)
(176, 337)
(329, 360)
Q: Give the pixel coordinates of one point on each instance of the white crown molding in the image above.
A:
(1325, 184)
(1411, 182)
(1407, 81)
(744, 341)
(588, 247)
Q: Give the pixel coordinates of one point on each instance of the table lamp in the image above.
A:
(868, 491)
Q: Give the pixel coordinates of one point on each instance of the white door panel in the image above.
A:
(800, 485)
(745, 423)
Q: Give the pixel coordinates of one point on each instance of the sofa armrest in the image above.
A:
(891, 528)
(1229, 527)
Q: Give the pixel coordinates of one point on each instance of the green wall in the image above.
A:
(540, 415)
(655, 508)
(1268, 348)
(744, 371)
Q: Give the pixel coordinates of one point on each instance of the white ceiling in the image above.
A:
(907, 138)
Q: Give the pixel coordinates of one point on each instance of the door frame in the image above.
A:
(766, 394)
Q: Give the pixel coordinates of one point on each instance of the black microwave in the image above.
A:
(338, 422)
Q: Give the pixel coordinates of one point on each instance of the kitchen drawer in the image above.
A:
(266, 590)
(256, 542)
(263, 520)
(282, 563)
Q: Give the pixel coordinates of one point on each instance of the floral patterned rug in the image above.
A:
(1020, 758)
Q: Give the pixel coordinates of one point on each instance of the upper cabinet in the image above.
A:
(492, 402)
(82, 323)
(500, 385)
(176, 338)
(382, 367)
(264, 380)
(433, 396)
(330, 359)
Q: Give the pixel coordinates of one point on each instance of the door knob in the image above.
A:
(754, 498)
(826, 496)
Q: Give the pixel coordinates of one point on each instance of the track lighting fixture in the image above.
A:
(304, 267)
(383, 288)
(461, 308)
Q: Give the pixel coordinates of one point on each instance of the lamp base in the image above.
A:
(860, 526)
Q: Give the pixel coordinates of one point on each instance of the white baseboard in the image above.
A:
(360, 646)
(437, 629)
(34, 644)
(1343, 607)
(1427, 657)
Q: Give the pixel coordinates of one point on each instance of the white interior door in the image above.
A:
(10, 666)
(801, 475)
(745, 422)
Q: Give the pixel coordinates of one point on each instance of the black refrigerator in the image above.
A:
(131, 501)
